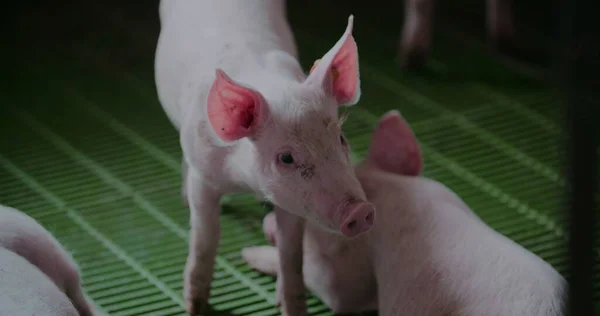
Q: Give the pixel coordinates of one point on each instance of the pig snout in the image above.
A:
(360, 218)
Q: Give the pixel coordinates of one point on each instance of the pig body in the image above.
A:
(26, 291)
(250, 120)
(415, 42)
(21, 236)
(427, 254)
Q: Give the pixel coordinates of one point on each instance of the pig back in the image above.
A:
(26, 291)
(196, 37)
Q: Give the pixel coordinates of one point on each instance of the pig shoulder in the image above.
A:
(25, 290)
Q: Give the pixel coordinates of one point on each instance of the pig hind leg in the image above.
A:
(500, 24)
(415, 42)
(204, 241)
(262, 258)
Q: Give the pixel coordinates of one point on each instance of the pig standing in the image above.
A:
(415, 42)
(37, 275)
(250, 120)
(427, 254)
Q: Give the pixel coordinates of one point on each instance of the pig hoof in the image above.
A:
(196, 298)
(413, 59)
(195, 305)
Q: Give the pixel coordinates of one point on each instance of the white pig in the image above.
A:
(415, 42)
(26, 291)
(427, 253)
(23, 240)
(250, 120)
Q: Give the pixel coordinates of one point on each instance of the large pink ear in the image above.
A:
(394, 147)
(233, 110)
(337, 72)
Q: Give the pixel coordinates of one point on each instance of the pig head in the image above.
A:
(291, 144)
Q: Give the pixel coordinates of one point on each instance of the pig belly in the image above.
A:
(26, 291)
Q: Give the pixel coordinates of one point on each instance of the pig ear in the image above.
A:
(234, 111)
(394, 147)
(337, 71)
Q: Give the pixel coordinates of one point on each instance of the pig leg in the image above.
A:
(184, 172)
(415, 42)
(500, 23)
(291, 292)
(265, 259)
(270, 228)
(204, 240)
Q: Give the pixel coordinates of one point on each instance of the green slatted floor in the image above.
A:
(88, 152)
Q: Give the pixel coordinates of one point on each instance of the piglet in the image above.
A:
(37, 275)
(250, 120)
(415, 42)
(427, 253)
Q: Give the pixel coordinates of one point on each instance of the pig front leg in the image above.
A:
(291, 292)
(415, 42)
(500, 24)
(204, 241)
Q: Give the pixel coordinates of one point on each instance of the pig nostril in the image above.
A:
(352, 224)
(369, 218)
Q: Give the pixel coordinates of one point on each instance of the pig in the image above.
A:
(415, 41)
(35, 269)
(250, 120)
(25, 290)
(427, 253)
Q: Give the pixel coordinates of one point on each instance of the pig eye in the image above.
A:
(343, 140)
(286, 158)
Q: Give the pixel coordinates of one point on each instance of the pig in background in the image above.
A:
(37, 275)
(251, 120)
(427, 253)
(415, 42)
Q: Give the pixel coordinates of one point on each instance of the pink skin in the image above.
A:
(427, 253)
(26, 238)
(250, 120)
(415, 42)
